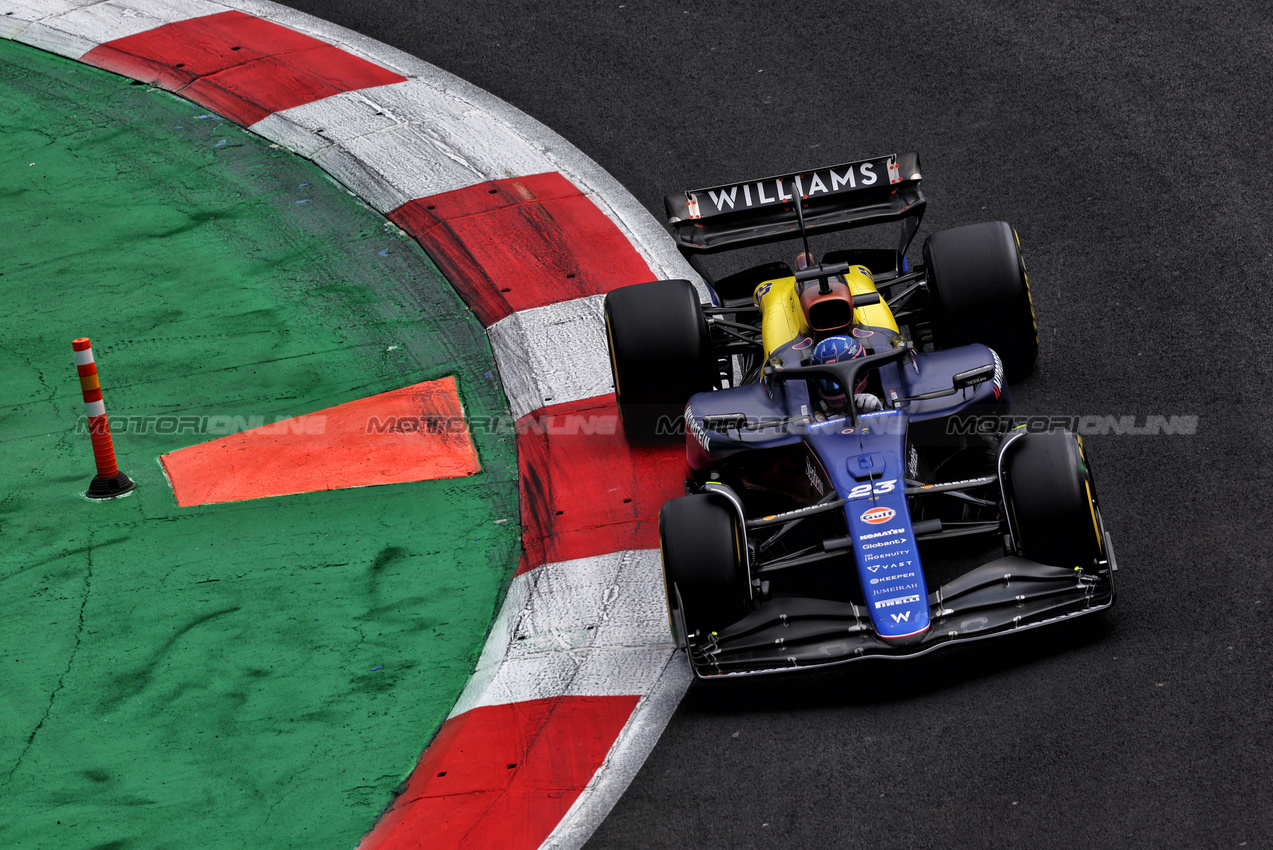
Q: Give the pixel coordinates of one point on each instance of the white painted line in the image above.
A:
(613, 600)
(75, 31)
(552, 354)
(399, 142)
(597, 671)
(635, 741)
(589, 627)
(17, 15)
(36, 23)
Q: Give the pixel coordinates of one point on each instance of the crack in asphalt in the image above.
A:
(79, 631)
(51, 391)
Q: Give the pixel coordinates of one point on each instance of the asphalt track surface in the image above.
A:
(1128, 145)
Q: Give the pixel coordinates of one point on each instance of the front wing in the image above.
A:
(1002, 597)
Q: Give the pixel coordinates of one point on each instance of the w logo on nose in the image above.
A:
(904, 617)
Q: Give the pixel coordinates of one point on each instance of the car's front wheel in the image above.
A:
(1052, 500)
(660, 354)
(704, 569)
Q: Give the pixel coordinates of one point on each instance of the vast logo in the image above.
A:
(875, 516)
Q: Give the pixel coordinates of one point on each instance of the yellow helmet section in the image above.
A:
(782, 320)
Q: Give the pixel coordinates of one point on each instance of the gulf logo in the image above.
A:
(875, 516)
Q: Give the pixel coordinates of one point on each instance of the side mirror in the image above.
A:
(965, 380)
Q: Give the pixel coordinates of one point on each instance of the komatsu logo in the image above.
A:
(888, 533)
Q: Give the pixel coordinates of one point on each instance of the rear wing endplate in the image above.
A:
(736, 215)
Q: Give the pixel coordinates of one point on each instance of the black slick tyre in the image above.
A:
(703, 568)
(1052, 500)
(660, 355)
(980, 293)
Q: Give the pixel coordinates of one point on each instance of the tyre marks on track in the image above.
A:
(238, 65)
(520, 243)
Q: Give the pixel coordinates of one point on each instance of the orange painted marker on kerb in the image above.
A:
(109, 481)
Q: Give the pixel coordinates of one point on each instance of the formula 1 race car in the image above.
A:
(842, 421)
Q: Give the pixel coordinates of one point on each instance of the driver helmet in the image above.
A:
(835, 349)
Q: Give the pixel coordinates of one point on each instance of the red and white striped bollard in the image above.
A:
(109, 481)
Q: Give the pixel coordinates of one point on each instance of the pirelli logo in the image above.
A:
(897, 600)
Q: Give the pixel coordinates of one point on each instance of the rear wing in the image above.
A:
(736, 215)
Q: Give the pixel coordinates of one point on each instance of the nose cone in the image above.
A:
(912, 639)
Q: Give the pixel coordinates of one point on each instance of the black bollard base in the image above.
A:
(109, 488)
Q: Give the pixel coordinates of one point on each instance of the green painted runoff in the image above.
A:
(254, 674)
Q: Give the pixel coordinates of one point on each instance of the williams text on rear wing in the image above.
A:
(871, 191)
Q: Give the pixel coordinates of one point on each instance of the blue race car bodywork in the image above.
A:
(862, 459)
(855, 499)
(817, 528)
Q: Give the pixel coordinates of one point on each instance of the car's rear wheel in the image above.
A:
(980, 293)
(1052, 500)
(703, 564)
(660, 354)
